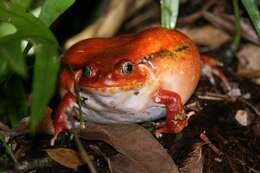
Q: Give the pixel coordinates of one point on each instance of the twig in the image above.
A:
(146, 15)
(220, 97)
(226, 22)
(216, 96)
(78, 100)
(196, 15)
(83, 154)
(253, 170)
(212, 146)
(207, 97)
(249, 73)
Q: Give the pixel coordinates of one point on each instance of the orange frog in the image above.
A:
(129, 79)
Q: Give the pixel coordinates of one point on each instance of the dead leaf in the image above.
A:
(207, 35)
(65, 156)
(141, 152)
(123, 164)
(20, 151)
(248, 57)
(194, 162)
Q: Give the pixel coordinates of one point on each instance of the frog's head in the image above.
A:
(104, 64)
(108, 72)
(131, 61)
(111, 63)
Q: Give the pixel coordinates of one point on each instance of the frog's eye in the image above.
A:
(87, 71)
(127, 67)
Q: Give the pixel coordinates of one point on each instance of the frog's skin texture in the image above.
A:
(164, 71)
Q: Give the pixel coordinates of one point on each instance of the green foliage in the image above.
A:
(25, 4)
(52, 9)
(169, 13)
(253, 12)
(14, 57)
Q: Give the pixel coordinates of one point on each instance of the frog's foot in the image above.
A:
(176, 119)
(61, 121)
(175, 126)
(210, 68)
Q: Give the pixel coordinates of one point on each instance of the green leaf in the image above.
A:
(15, 57)
(46, 47)
(28, 27)
(44, 79)
(46, 50)
(253, 12)
(52, 9)
(169, 13)
(6, 29)
(25, 4)
(237, 37)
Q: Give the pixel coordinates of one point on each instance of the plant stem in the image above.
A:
(169, 13)
(237, 37)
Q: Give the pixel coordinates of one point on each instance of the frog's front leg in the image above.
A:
(65, 108)
(176, 118)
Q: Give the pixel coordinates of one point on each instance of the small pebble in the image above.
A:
(243, 117)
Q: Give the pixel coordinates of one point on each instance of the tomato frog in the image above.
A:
(129, 79)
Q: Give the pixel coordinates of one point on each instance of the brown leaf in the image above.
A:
(194, 162)
(141, 152)
(206, 35)
(248, 57)
(249, 62)
(65, 156)
(121, 163)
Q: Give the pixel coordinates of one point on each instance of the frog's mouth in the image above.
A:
(112, 89)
